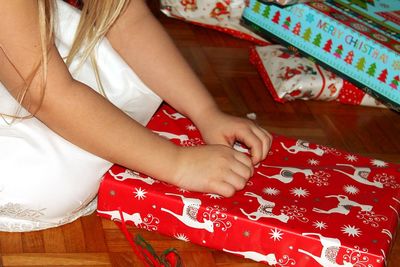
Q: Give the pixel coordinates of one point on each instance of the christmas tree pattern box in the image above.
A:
(357, 38)
(306, 205)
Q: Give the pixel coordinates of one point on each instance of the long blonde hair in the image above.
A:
(97, 17)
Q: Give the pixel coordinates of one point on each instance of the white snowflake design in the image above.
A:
(182, 237)
(271, 191)
(140, 193)
(276, 234)
(320, 225)
(351, 189)
(351, 158)
(213, 196)
(299, 192)
(313, 162)
(351, 230)
(378, 163)
(191, 127)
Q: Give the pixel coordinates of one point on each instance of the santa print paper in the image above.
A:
(306, 205)
(220, 15)
(290, 76)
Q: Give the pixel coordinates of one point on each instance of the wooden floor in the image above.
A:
(222, 63)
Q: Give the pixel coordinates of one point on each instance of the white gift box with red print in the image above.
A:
(289, 76)
(220, 15)
(306, 205)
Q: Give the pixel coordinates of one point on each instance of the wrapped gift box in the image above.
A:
(359, 39)
(224, 16)
(306, 205)
(289, 76)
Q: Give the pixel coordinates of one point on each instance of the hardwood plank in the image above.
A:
(62, 259)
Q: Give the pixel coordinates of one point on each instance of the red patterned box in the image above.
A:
(307, 204)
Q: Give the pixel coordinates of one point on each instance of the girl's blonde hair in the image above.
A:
(97, 17)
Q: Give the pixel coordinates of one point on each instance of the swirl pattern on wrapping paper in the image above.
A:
(295, 212)
(192, 142)
(370, 218)
(357, 257)
(387, 180)
(218, 216)
(286, 261)
(150, 223)
(319, 178)
(331, 150)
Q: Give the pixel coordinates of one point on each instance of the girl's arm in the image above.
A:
(86, 119)
(143, 43)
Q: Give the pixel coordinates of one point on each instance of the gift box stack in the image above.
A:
(291, 76)
(306, 205)
(357, 39)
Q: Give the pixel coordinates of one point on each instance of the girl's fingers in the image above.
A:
(253, 143)
(265, 139)
(236, 180)
(223, 188)
(244, 167)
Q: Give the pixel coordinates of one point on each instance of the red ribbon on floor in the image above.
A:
(146, 253)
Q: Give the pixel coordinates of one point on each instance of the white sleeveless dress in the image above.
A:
(45, 181)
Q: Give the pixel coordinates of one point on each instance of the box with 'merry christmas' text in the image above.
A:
(357, 38)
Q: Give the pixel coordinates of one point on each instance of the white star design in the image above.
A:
(378, 163)
(182, 237)
(299, 192)
(351, 230)
(276, 234)
(351, 189)
(213, 196)
(140, 193)
(271, 191)
(313, 162)
(191, 127)
(351, 158)
(320, 225)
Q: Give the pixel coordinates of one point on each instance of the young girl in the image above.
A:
(72, 105)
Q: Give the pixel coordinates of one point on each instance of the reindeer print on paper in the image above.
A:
(128, 174)
(303, 146)
(344, 206)
(285, 174)
(183, 139)
(255, 256)
(329, 252)
(359, 174)
(170, 136)
(174, 116)
(188, 217)
(264, 210)
(115, 215)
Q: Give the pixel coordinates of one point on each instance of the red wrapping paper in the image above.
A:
(306, 205)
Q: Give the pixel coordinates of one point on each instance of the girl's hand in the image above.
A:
(212, 169)
(219, 128)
